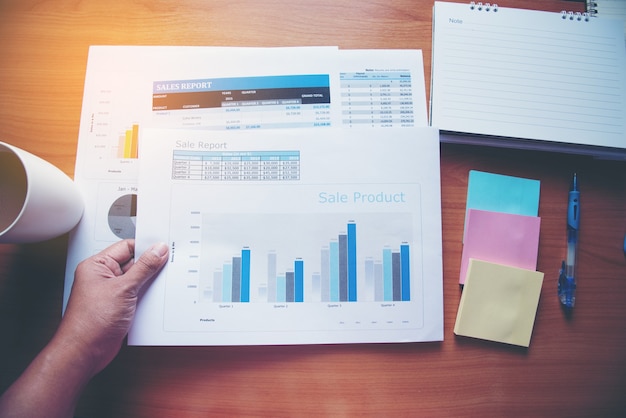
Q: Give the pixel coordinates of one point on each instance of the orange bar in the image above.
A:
(134, 141)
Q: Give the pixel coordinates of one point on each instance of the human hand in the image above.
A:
(103, 300)
(98, 315)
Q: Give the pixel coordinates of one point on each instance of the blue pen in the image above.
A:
(567, 280)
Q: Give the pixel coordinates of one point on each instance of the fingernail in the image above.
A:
(159, 249)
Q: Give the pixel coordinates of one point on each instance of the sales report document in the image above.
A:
(218, 89)
(293, 236)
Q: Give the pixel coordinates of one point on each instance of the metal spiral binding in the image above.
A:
(565, 15)
(486, 6)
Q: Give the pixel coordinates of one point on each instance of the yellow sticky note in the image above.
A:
(499, 303)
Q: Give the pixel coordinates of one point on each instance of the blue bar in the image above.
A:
(405, 271)
(343, 267)
(271, 277)
(334, 271)
(236, 279)
(245, 275)
(325, 274)
(397, 283)
(281, 289)
(227, 284)
(378, 282)
(387, 275)
(289, 286)
(352, 262)
(298, 280)
(217, 286)
(316, 287)
(370, 290)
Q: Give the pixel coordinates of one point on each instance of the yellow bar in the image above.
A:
(134, 141)
(127, 143)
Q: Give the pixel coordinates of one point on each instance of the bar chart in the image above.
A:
(128, 143)
(353, 263)
(344, 253)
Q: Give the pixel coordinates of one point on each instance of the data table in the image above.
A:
(378, 99)
(236, 165)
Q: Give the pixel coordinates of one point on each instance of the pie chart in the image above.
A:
(123, 216)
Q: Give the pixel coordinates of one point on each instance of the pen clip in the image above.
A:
(573, 212)
(573, 206)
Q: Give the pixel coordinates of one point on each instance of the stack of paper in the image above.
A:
(501, 287)
(298, 190)
(501, 223)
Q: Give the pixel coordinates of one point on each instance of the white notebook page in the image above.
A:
(528, 74)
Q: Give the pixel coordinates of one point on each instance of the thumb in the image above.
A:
(148, 264)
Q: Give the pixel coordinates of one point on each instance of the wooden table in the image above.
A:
(574, 367)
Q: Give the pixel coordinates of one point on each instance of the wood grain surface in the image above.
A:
(575, 366)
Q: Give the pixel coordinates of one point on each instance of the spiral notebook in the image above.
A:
(529, 79)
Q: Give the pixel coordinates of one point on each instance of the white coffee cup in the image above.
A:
(37, 200)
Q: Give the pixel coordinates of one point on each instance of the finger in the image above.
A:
(121, 252)
(148, 264)
(111, 261)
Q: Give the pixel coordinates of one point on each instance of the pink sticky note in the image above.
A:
(501, 238)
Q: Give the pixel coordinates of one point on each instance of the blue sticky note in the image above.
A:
(501, 193)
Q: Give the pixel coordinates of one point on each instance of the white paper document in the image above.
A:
(291, 236)
(220, 89)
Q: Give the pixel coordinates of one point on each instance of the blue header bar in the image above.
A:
(241, 83)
